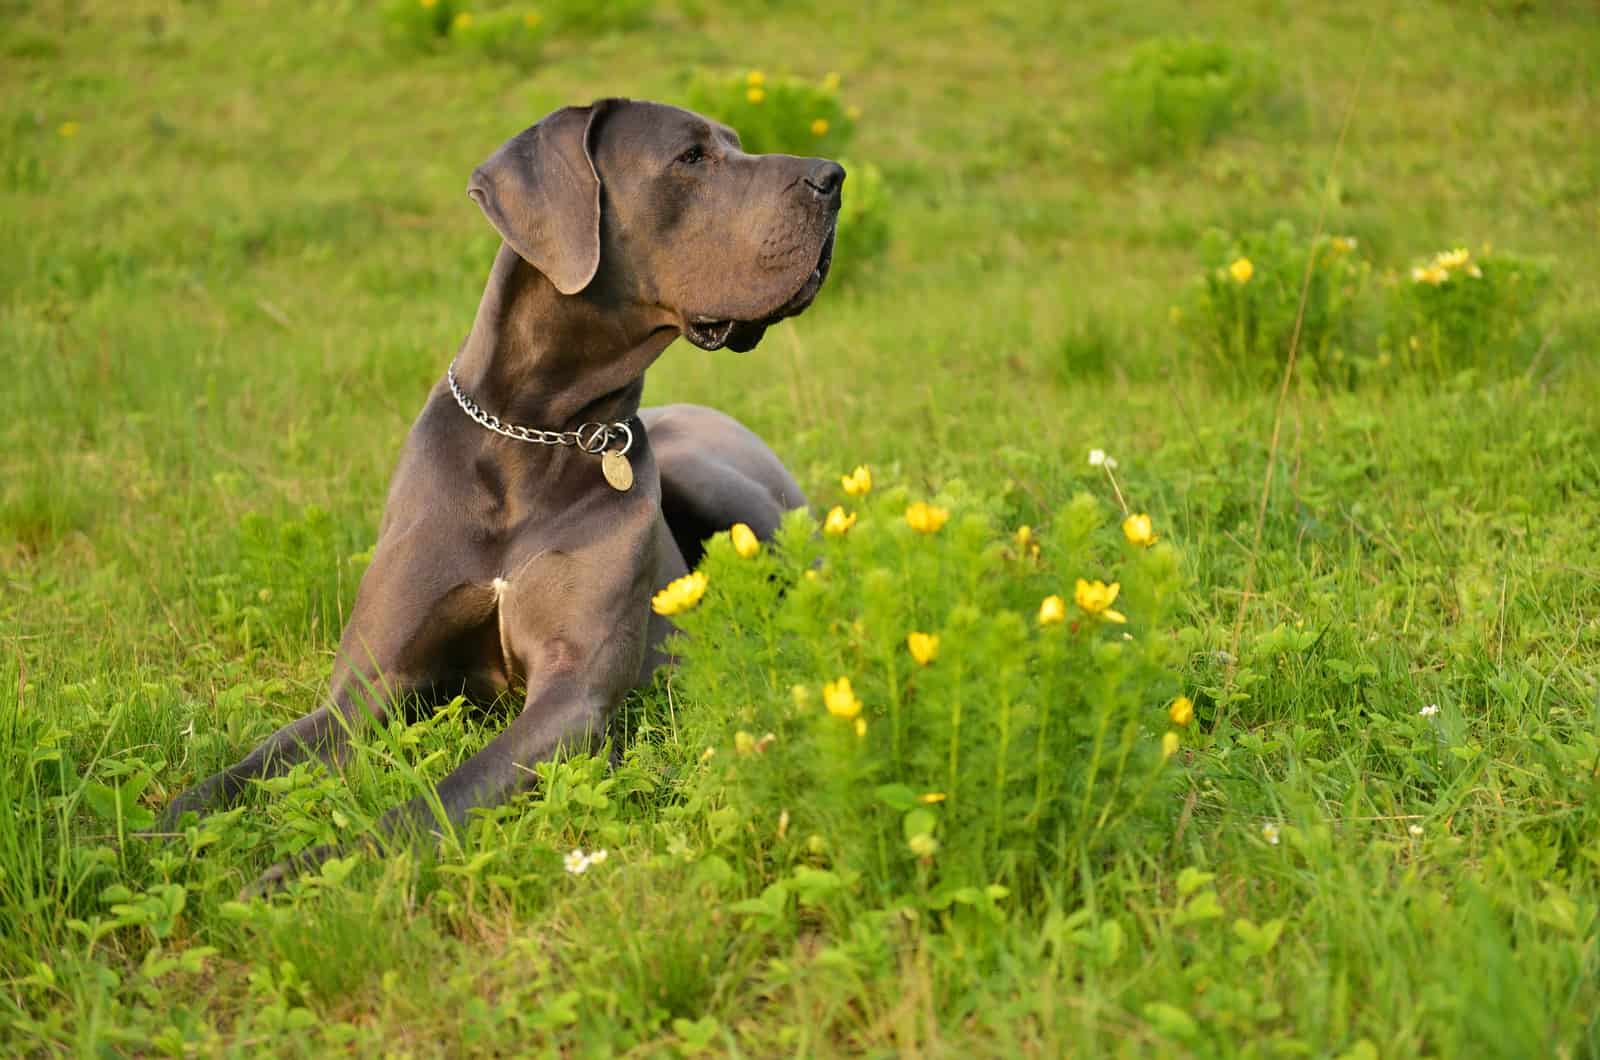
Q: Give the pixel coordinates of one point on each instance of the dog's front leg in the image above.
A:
(580, 663)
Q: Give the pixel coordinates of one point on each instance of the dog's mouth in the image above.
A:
(742, 335)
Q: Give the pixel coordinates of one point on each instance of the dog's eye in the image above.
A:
(692, 156)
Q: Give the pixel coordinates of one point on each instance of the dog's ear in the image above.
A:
(541, 192)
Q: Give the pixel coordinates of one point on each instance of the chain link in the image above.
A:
(589, 437)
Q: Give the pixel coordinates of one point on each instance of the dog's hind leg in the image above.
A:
(716, 472)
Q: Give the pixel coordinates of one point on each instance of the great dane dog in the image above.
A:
(536, 507)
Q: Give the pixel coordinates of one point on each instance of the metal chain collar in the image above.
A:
(589, 437)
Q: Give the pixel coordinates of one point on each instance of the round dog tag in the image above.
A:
(618, 472)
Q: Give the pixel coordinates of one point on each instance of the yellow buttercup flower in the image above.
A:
(859, 482)
(69, 129)
(755, 94)
(680, 594)
(1181, 711)
(1433, 275)
(924, 646)
(428, 3)
(1169, 745)
(819, 127)
(1137, 529)
(1452, 259)
(840, 699)
(1096, 598)
(745, 542)
(1052, 611)
(755, 79)
(926, 518)
(1241, 270)
(531, 20)
(838, 523)
(928, 798)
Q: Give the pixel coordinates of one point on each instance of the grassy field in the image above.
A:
(238, 254)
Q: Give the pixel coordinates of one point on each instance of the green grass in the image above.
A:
(223, 299)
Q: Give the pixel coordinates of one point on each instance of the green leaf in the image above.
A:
(1170, 1020)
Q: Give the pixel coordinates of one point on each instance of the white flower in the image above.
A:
(1098, 458)
(1428, 711)
(577, 862)
(1269, 832)
(1415, 829)
(598, 857)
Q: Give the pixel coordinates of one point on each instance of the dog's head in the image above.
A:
(659, 207)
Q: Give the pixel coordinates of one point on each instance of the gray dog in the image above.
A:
(536, 507)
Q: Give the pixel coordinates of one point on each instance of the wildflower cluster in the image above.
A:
(1444, 265)
(1241, 314)
(515, 35)
(1461, 310)
(1457, 310)
(922, 677)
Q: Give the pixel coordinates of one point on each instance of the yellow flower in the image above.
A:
(1241, 270)
(744, 541)
(1181, 711)
(755, 94)
(1432, 275)
(428, 3)
(1169, 745)
(923, 845)
(858, 483)
(743, 742)
(838, 523)
(680, 594)
(755, 79)
(1452, 259)
(861, 727)
(840, 699)
(462, 21)
(928, 798)
(1136, 528)
(1052, 611)
(819, 127)
(800, 695)
(830, 81)
(1096, 598)
(926, 518)
(924, 646)
(1344, 244)
(531, 19)
(69, 129)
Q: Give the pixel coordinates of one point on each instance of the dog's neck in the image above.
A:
(543, 359)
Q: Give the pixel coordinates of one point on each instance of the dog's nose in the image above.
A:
(825, 178)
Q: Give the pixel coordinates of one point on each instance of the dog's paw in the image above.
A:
(279, 876)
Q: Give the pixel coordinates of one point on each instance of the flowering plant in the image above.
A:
(952, 733)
